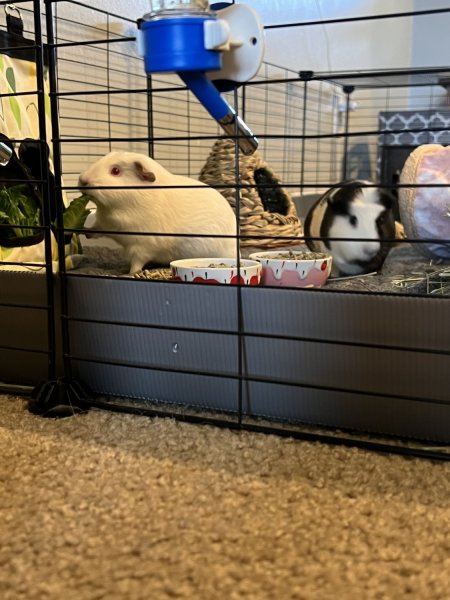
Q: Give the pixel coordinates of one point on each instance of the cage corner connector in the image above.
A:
(59, 398)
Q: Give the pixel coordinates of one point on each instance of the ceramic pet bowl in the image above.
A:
(216, 270)
(290, 268)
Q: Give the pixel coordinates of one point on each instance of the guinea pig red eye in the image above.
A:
(115, 170)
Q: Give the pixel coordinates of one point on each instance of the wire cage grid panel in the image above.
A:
(30, 333)
(269, 358)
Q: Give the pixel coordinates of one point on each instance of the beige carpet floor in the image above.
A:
(113, 506)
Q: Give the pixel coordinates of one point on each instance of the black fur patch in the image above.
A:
(339, 201)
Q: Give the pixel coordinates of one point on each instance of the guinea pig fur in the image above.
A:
(145, 207)
(352, 210)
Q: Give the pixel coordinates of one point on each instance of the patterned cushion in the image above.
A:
(425, 211)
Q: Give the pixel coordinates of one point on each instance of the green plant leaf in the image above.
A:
(47, 105)
(18, 208)
(10, 78)
(26, 203)
(76, 213)
(15, 108)
(5, 252)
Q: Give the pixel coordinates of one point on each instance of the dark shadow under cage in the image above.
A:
(363, 360)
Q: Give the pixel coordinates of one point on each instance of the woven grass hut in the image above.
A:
(267, 210)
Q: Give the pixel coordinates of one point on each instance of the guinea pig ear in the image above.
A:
(143, 173)
(387, 199)
(339, 197)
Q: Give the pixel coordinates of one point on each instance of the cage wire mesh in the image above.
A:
(314, 130)
(27, 303)
(104, 85)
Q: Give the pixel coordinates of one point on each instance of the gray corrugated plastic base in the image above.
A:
(371, 363)
(365, 362)
(23, 329)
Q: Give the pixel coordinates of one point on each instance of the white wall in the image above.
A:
(430, 34)
(336, 47)
(375, 44)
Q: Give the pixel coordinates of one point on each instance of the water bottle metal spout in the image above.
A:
(225, 115)
(233, 125)
(5, 154)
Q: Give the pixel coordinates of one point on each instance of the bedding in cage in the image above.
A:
(267, 212)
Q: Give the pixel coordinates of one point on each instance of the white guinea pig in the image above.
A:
(147, 208)
(352, 211)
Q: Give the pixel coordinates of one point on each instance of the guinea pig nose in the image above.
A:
(82, 182)
(370, 249)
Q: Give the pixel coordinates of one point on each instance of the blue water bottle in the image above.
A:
(186, 37)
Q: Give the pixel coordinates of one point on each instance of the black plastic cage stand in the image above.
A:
(59, 395)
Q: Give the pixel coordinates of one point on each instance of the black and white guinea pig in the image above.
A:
(352, 210)
(146, 207)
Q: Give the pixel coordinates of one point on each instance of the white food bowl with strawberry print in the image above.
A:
(294, 268)
(217, 270)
